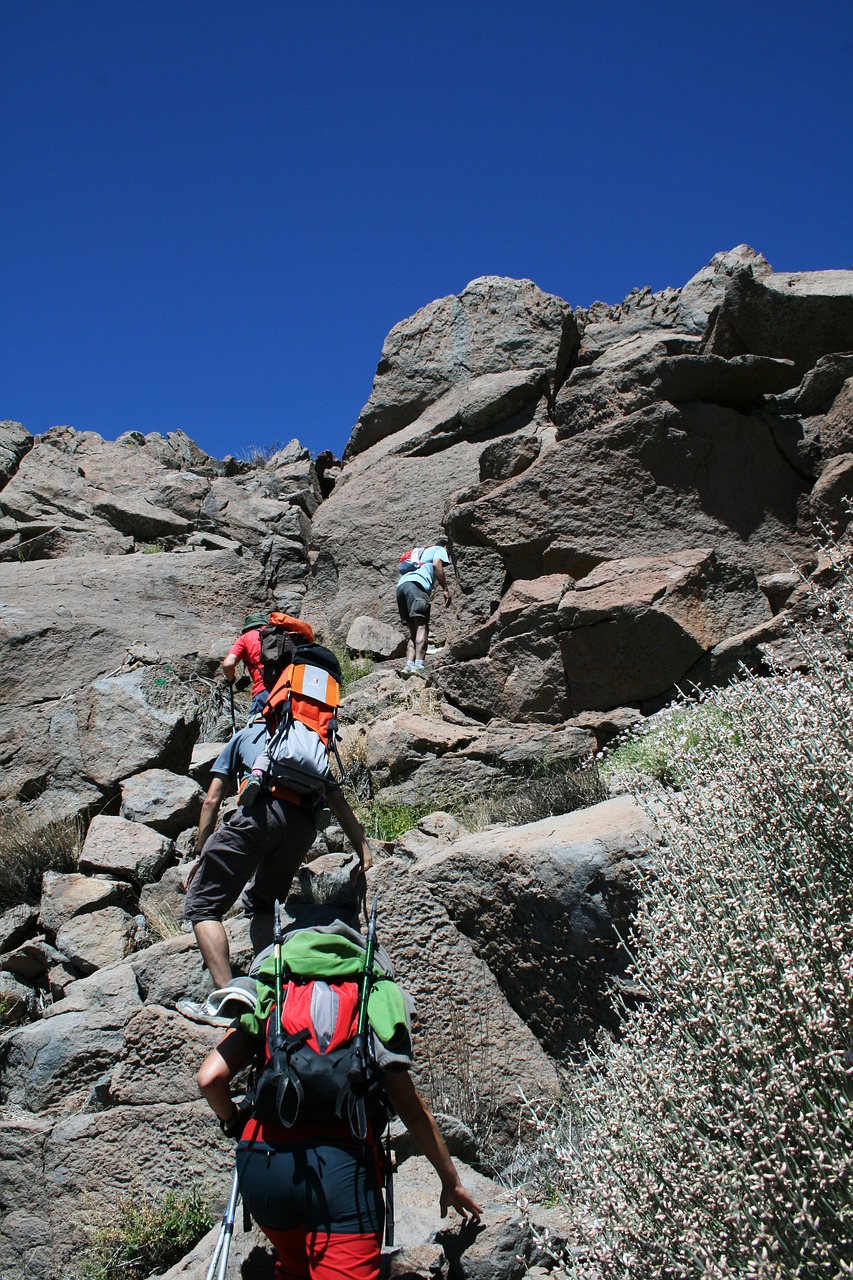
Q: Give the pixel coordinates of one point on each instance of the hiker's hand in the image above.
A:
(233, 1126)
(447, 599)
(457, 1197)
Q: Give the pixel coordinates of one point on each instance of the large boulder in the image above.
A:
(15, 443)
(494, 325)
(124, 644)
(476, 1053)
(129, 850)
(544, 906)
(168, 802)
(797, 316)
(633, 628)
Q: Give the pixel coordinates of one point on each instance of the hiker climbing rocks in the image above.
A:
(259, 847)
(265, 647)
(247, 649)
(329, 1031)
(420, 568)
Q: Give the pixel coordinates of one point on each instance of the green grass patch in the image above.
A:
(384, 821)
(352, 669)
(658, 749)
(144, 1235)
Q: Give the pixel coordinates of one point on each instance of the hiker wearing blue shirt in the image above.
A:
(420, 568)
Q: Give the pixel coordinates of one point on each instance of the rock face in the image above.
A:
(623, 489)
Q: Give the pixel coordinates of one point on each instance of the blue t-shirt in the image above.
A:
(424, 575)
(237, 756)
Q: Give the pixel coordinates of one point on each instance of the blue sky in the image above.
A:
(215, 210)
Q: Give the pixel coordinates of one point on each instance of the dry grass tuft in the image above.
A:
(27, 850)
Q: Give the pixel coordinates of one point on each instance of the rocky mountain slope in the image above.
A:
(627, 492)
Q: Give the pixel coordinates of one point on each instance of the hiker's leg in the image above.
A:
(346, 1209)
(420, 644)
(290, 833)
(273, 1191)
(213, 944)
(411, 643)
(228, 861)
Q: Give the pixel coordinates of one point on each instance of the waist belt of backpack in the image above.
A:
(278, 792)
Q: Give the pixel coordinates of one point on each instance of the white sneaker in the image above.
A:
(419, 670)
(408, 669)
(197, 1012)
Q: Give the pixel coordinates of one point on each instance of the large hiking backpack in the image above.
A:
(279, 638)
(411, 559)
(301, 712)
(316, 1071)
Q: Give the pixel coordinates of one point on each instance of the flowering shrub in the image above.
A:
(715, 1137)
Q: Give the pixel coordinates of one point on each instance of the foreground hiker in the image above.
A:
(419, 569)
(260, 846)
(309, 1160)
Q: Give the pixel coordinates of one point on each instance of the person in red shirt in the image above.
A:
(247, 649)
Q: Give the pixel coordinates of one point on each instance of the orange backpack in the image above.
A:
(301, 713)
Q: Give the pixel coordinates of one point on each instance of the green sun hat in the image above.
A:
(254, 620)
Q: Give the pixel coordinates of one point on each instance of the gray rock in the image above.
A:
(818, 388)
(476, 1053)
(82, 615)
(64, 896)
(125, 848)
(168, 802)
(97, 939)
(494, 325)
(632, 628)
(18, 1002)
(15, 924)
(369, 635)
(31, 959)
(541, 904)
(161, 1053)
(833, 491)
(797, 316)
(15, 443)
(56, 1061)
(836, 428)
(737, 383)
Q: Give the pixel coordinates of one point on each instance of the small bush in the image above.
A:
(384, 821)
(530, 792)
(352, 669)
(258, 455)
(714, 1139)
(655, 749)
(144, 1235)
(27, 850)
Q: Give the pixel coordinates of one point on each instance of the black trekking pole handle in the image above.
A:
(233, 717)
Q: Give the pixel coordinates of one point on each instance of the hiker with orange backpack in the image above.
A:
(260, 846)
(329, 1031)
(247, 649)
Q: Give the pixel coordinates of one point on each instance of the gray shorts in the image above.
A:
(261, 846)
(413, 602)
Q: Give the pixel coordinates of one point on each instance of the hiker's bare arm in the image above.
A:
(229, 666)
(352, 828)
(210, 807)
(438, 565)
(420, 1122)
(219, 1068)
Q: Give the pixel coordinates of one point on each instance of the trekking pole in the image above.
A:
(359, 1073)
(233, 717)
(223, 1244)
(278, 939)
